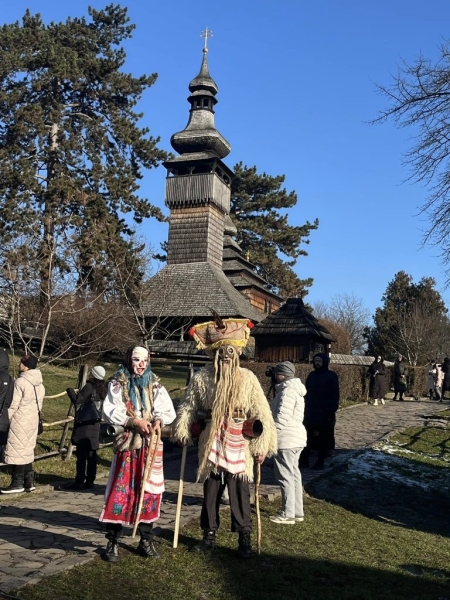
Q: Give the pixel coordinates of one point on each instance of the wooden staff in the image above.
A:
(180, 497)
(149, 462)
(258, 515)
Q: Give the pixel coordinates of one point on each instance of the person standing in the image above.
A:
(230, 396)
(85, 436)
(431, 379)
(23, 415)
(446, 376)
(400, 371)
(438, 381)
(321, 404)
(377, 385)
(288, 409)
(6, 396)
(137, 402)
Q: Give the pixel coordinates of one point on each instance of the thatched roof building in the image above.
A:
(290, 333)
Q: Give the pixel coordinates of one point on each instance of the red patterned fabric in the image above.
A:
(124, 490)
(228, 448)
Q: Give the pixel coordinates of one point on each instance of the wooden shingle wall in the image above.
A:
(196, 235)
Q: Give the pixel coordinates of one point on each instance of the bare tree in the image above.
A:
(342, 343)
(145, 307)
(419, 98)
(63, 321)
(347, 311)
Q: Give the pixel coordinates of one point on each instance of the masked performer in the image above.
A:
(137, 402)
(229, 395)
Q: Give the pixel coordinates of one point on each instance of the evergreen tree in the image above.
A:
(71, 149)
(412, 321)
(264, 233)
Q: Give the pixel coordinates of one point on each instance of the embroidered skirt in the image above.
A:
(124, 488)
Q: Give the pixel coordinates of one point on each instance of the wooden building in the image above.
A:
(199, 277)
(290, 333)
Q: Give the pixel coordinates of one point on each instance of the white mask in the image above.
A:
(139, 360)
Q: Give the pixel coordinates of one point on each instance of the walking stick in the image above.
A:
(149, 462)
(180, 498)
(258, 515)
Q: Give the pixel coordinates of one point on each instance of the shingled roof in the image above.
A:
(354, 359)
(292, 319)
(192, 290)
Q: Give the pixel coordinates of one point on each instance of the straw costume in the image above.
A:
(229, 395)
(140, 404)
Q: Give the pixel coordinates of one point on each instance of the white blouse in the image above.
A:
(115, 412)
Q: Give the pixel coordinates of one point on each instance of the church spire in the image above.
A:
(200, 134)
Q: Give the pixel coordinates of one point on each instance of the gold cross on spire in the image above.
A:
(206, 35)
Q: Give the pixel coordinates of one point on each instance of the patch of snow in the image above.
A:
(377, 464)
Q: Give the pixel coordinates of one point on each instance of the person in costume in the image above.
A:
(137, 402)
(229, 395)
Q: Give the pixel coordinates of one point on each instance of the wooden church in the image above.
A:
(205, 269)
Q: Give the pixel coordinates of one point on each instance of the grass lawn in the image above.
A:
(334, 554)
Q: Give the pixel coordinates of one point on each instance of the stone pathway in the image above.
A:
(45, 533)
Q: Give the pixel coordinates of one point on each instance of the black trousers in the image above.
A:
(114, 531)
(320, 438)
(239, 493)
(86, 464)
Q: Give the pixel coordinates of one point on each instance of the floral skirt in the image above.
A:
(124, 488)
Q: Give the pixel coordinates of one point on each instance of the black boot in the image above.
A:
(245, 545)
(113, 534)
(111, 554)
(16, 485)
(208, 543)
(28, 482)
(147, 549)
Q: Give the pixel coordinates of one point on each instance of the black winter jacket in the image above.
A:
(322, 394)
(88, 435)
(6, 383)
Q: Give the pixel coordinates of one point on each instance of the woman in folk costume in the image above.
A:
(137, 402)
(229, 395)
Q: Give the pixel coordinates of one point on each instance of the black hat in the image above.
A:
(30, 361)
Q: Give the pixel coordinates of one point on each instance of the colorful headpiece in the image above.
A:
(221, 332)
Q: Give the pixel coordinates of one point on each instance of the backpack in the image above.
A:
(6, 381)
(90, 412)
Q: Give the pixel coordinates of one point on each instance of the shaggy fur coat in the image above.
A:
(252, 401)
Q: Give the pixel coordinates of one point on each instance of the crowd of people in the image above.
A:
(224, 411)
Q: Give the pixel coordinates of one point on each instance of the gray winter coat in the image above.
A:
(23, 418)
(288, 408)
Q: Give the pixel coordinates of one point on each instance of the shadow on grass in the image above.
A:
(285, 577)
(221, 575)
(388, 500)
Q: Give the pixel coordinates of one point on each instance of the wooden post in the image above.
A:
(258, 514)
(180, 497)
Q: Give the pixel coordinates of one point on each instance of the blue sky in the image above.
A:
(296, 89)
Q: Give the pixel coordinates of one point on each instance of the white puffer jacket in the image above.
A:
(288, 408)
